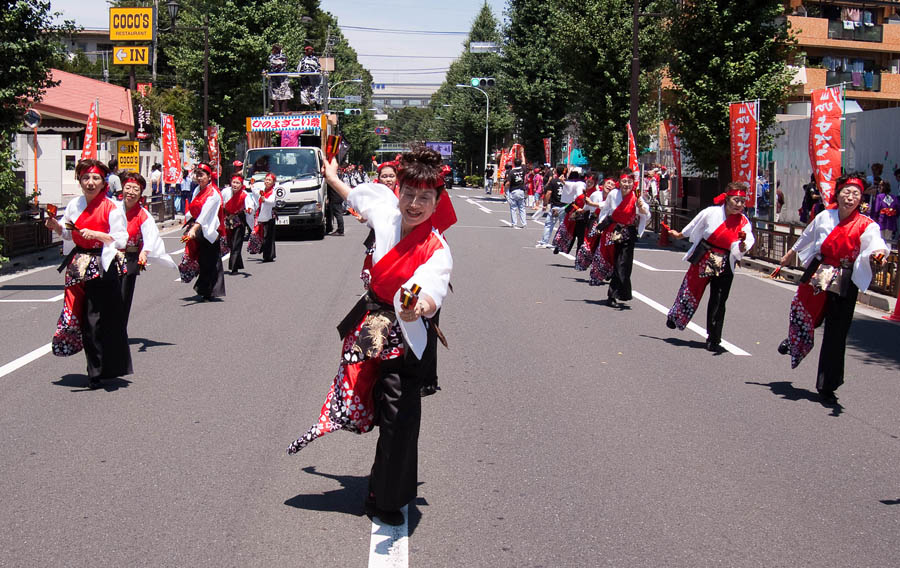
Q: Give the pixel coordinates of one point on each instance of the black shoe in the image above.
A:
(392, 518)
(555, 250)
(94, 384)
(670, 323)
(714, 347)
(784, 346)
(427, 390)
(338, 234)
(828, 398)
(611, 302)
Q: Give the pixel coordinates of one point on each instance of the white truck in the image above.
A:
(300, 188)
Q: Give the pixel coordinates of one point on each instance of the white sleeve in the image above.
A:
(372, 200)
(209, 217)
(153, 244)
(643, 218)
(805, 245)
(607, 208)
(227, 193)
(736, 253)
(118, 230)
(869, 242)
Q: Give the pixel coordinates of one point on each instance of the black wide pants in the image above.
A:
(620, 285)
(719, 288)
(105, 327)
(838, 317)
(211, 276)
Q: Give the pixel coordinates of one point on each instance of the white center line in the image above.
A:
(389, 546)
(652, 269)
(53, 299)
(25, 359)
(730, 347)
(567, 255)
(479, 205)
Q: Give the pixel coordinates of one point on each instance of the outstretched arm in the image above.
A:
(329, 170)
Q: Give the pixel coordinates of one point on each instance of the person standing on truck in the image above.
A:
(309, 84)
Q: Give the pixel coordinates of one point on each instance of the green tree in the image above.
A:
(413, 124)
(724, 52)
(28, 47)
(464, 119)
(535, 78)
(595, 42)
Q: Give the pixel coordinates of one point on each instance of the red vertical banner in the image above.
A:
(89, 148)
(547, 151)
(745, 146)
(633, 164)
(171, 156)
(675, 147)
(569, 146)
(825, 138)
(212, 145)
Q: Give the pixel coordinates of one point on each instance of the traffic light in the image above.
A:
(352, 111)
(482, 82)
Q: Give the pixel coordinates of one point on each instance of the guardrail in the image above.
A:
(162, 207)
(773, 240)
(25, 236)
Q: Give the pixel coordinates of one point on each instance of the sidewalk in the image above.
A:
(791, 275)
(52, 256)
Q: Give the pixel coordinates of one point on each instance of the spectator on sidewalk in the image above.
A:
(515, 194)
(553, 202)
(113, 183)
(155, 179)
(885, 210)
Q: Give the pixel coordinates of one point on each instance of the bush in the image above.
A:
(474, 181)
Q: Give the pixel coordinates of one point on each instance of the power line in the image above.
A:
(409, 56)
(414, 69)
(402, 32)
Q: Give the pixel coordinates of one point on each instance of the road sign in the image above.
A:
(128, 155)
(131, 24)
(352, 111)
(382, 130)
(483, 47)
(32, 118)
(128, 55)
(353, 99)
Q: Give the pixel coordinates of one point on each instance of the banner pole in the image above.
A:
(756, 192)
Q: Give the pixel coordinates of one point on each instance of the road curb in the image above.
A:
(873, 300)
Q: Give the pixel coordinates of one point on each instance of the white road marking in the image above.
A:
(505, 222)
(389, 546)
(53, 299)
(567, 255)
(730, 347)
(652, 269)
(479, 205)
(26, 272)
(25, 359)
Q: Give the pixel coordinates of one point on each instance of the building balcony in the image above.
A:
(885, 86)
(855, 81)
(820, 32)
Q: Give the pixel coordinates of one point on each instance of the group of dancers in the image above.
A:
(108, 242)
(835, 250)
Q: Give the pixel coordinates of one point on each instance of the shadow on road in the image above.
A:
(875, 342)
(146, 343)
(788, 391)
(677, 342)
(348, 499)
(10, 287)
(194, 300)
(891, 501)
(80, 382)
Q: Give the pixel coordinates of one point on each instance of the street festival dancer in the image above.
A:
(204, 229)
(620, 224)
(719, 235)
(836, 248)
(263, 237)
(144, 241)
(238, 205)
(385, 334)
(593, 204)
(573, 196)
(93, 317)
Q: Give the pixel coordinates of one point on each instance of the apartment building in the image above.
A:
(848, 41)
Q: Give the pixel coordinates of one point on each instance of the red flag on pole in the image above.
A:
(547, 150)
(675, 147)
(632, 151)
(171, 156)
(89, 148)
(745, 146)
(569, 152)
(825, 138)
(212, 143)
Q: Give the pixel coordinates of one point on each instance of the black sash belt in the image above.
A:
(702, 248)
(365, 304)
(77, 250)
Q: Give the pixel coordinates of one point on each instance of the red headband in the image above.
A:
(234, 177)
(92, 170)
(271, 175)
(205, 168)
(387, 165)
(720, 199)
(626, 176)
(853, 181)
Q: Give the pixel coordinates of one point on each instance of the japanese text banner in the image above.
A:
(825, 139)
(171, 157)
(212, 145)
(675, 147)
(89, 148)
(547, 151)
(745, 146)
(633, 164)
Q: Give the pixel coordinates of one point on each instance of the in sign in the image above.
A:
(131, 55)
(128, 155)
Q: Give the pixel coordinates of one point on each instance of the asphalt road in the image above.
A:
(566, 433)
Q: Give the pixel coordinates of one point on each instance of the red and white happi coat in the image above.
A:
(264, 214)
(207, 211)
(423, 258)
(849, 243)
(721, 231)
(143, 234)
(102, 215)
(566, 232)
(624, 211)
(585, 254)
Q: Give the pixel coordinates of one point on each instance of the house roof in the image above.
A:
(71, 100)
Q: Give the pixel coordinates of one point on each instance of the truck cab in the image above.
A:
(299, 186)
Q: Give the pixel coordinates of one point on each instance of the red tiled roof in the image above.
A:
(72, 99)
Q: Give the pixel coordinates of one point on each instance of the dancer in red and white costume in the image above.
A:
(263, 237)
(203, 235)
(593, 204)
(384, 340)
(144, 241)
(238, 205)
(719, 235)
(836, 249)
(93, 318)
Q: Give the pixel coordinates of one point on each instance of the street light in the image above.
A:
(487, 115)
(172, 7)
(329, 87)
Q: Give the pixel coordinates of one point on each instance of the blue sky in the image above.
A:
(456, 15)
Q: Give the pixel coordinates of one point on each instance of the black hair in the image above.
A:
(421, 167)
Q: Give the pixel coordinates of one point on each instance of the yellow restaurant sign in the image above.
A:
(130, 24)
(128, 155)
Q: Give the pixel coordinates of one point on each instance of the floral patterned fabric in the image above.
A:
(189, 266)
(807, 313)
(67, 340)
